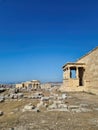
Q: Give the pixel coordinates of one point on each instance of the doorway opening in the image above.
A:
(81, 76)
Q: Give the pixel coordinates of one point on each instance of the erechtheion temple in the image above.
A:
(34, 85)
(82, 75)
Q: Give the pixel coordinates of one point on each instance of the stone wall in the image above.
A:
(91, 70)
(71, 85)
(18, 85)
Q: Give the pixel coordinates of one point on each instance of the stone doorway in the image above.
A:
(81, 76)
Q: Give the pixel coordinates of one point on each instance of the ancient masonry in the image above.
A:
(83, 74)
(34, 85)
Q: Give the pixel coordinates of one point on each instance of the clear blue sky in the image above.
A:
(38, 36)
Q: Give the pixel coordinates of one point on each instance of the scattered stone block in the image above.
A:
(2, 98)
(76, 110)
(63, 110)
(53, 106)
(83, 105)
(46, 105)
(1, 113)
(29, 107)
(20, 95)
(85, 110)
(62, 106)
(45, 99)
(58, 102)
(40, 104)
(6, 96)
(2, 89)
(73, 107)
(11, 129)
(64, 96)
(96, 109)
(36, 110)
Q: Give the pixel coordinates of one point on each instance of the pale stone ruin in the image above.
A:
(45, 86)
(34, 85)
(85, 76)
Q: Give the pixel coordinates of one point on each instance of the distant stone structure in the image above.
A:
(45, 86)
(50, 85)
(34, 85)
(82, 75)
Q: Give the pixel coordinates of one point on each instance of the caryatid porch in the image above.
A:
(73, 74)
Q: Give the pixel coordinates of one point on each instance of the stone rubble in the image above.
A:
(2, 99)
(35, 102)
(52, 102)
(1, 113)
(40, 104)
(35, 96)
(45, 99)
(96, 109)
(16, 96)
(18, 128)
(2, 90)
(30, 107)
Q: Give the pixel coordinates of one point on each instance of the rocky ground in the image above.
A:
(48, 110)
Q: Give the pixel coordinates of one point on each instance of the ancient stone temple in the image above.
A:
(34, 85)
(83, 74)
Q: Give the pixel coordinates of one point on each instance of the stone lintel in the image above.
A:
(73, 65)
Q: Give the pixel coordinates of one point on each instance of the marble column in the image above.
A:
(64, 74)
(77, 72)
(68, 72)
